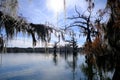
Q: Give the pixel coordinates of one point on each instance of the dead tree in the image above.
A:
(84, 23)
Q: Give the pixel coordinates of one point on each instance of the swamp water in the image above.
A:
(47, 66)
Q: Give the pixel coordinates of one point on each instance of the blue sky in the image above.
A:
(52, 11)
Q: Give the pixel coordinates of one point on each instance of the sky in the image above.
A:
(52, 11)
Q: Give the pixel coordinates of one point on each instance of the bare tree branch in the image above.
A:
(77, 25)
(77, 11)
(80, 22)
(78, 17)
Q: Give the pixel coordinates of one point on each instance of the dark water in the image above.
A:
(41, 66)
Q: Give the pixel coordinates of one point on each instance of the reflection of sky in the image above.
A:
(41, 11)
(37, 67)
(41, 66)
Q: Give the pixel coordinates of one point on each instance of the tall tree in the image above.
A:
(113, 25)
(84, 23)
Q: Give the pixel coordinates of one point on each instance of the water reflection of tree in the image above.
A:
(1, 59)
(88, 69)
(97, 68)
(55, 58)
(73, 64)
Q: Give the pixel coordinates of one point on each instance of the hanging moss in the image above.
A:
(42, 31)
(13, 26)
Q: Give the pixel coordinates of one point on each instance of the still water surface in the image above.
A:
(41, 66)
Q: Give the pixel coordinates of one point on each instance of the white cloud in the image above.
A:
(20, 42)
(27, 42)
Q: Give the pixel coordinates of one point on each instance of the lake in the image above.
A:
(47, 66)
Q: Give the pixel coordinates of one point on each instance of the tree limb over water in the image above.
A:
(14, 26)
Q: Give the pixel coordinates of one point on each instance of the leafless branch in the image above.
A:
(77, 11)
(78, 17)
(77, 25)
(80, 22)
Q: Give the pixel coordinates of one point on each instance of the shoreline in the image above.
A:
(38, 50)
